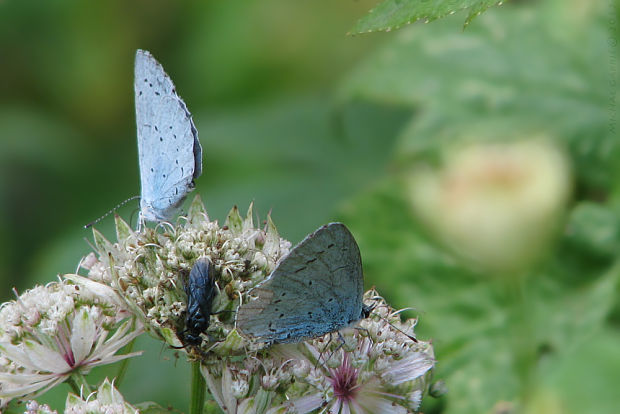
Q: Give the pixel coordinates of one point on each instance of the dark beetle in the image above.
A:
(200, 291)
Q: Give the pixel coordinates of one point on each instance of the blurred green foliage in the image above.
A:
(393, 14)
(318, 126)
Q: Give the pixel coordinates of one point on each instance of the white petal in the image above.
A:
(388, 407)
(99, 289)
(82, 335)
(215, 388)
(306, 404)
(415, 399)
(113, 359)
(17, 355)
(46, 359)
(119, 339)
(88, 261)
(10, 392)
(229, 398)
(408, 368)
(247, 407)
(20, 378)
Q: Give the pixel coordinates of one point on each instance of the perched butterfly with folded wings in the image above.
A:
(316, 289)
(169, 152)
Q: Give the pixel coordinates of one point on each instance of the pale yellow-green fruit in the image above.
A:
(497, 204)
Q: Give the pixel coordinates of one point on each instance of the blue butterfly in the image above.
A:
(169, 151)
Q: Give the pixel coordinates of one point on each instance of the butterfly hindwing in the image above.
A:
(169, 151)
(316, 289)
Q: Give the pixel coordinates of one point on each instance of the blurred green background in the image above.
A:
(478, 168)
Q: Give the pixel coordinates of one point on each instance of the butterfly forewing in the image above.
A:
(169, 151)
(317, 288)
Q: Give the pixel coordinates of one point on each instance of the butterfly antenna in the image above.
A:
(92, 223)
(397, 313)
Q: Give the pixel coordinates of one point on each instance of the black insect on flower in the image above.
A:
(200, 291)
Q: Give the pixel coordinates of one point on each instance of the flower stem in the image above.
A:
(78, 383)
(198, 390)
(124, 364)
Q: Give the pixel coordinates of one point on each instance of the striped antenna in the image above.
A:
(92, 223)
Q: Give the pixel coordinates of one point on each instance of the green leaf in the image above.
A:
(520, 69)
(585, 380)
(594, 229)
(234, 221)
(196, 208)
(101, 243)
(123, 230)
(392, 14)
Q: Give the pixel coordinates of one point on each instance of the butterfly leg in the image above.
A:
(323, 350)
(338, 348)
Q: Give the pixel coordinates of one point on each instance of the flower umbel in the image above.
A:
(376, 368)
(150, 268)
(51, 332)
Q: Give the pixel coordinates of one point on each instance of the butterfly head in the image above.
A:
(367, 309)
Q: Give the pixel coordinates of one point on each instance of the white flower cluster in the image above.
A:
(50, 332)
(150, 269)
(106, 400)
(377, 367)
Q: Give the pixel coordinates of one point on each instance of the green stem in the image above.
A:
(122, 370)
(198, 390)
(522, 331)
(78, 383)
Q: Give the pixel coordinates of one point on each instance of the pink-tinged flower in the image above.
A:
(357, 391)
(376, 368)
(51, 332)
